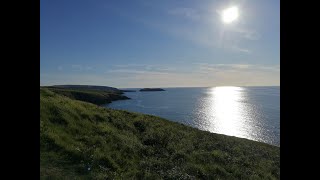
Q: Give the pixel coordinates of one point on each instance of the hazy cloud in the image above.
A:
(203, 74)
(141, 68)
(60, 68)
(189, 13)
(247, 33)
(77, 67)
(130, 71)
(239, 49)
(206, 30)
(129, 65)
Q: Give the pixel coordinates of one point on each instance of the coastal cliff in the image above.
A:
(152, 89)
(98, 95)
(80, 140)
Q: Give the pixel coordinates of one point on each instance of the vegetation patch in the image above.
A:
(94, 96)
(80, 140)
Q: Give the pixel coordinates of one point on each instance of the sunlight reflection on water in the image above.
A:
(247, 112)
(225, 113)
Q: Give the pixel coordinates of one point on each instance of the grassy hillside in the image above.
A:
(80, 140)
(94, 96)
(88, 87)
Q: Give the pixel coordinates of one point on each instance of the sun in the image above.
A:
(229, 15)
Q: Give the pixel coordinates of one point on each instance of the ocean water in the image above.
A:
(246, 112)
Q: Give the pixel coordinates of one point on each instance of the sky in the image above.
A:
(159, 43)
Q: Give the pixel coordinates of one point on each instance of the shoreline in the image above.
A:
(76, 135)
(276, 145)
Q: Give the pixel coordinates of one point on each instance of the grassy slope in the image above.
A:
(117, 144)
(98, 97)
(87, 87)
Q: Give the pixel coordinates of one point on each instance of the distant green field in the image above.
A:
(80, 140)
(98, 97)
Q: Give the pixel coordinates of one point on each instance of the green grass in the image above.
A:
(115, 144)
(97, 97)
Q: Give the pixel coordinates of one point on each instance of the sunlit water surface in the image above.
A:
(247, 112)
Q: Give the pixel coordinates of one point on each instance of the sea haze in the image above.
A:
(247, 112)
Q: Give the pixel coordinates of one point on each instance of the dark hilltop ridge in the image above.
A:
(152, 89)
(80, 140)
(98, 95)
(88, 87)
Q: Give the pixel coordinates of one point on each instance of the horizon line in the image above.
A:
(167, 86)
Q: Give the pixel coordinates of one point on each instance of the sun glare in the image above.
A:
(227, 114)
(230, 14)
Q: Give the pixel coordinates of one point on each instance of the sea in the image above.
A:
(246, 112)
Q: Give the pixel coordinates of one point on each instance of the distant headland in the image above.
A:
(98, 95)
(152, 89)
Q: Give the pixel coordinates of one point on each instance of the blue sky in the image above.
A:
(152, 43)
